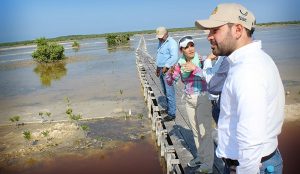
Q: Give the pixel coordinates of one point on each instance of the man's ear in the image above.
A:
(165, 36)
(238, 30)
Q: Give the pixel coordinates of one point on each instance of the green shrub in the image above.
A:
(48, 51)
(140, 116)
(15, 118)
(45, 133)
(117, 39)
(75, 44)
(85, 127)
(27, 135)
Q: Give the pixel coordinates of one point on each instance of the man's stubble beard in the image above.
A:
(225, 47)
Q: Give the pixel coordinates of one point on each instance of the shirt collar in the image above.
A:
(165, 42)
(234, 56)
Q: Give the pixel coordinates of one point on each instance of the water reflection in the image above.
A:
(75, 49)
(50, 71)
(125, 47)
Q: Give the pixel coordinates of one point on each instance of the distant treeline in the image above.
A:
(90, 36)
(278, 23)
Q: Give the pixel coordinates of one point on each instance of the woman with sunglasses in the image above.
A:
(197, 105)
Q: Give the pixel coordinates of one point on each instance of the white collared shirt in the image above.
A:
(252, 108)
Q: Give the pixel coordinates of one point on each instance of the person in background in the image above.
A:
(252, 101)
(197, 104)
(215, 76)
(167, 56)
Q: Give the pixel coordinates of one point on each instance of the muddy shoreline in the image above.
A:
(68, 141)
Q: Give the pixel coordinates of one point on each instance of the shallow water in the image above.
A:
(92, 82)
(116, 161)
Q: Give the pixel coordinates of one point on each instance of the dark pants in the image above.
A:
(215, 110)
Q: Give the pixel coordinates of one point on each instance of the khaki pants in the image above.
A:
(198, 109)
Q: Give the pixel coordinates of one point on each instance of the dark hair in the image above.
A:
(249, 32)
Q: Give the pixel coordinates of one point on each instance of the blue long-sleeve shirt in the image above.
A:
(216, 83)
(167, 53)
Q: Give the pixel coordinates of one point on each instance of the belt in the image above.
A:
(229, 162)
(162, 68)
(265, 158)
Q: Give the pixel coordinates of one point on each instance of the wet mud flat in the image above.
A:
(110, 145)
(289, 144)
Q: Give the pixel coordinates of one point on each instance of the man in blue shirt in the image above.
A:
(215, 77)
(167, 56)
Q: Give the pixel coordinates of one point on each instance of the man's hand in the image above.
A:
(164, 70)
(211, 56)
(171, 70)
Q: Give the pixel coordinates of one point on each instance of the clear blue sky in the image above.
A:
(30, 19)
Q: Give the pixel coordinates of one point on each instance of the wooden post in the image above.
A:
(153, 120)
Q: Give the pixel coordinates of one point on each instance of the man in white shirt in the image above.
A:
(252, 102)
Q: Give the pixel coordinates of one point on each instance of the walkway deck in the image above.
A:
(175, 138)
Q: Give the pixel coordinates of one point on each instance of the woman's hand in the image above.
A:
(189, 66)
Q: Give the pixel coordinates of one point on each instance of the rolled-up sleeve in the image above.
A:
(208, 70)
(215, 85)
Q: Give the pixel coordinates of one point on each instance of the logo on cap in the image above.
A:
(244, 14)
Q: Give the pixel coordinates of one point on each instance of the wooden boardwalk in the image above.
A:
(174, 138)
